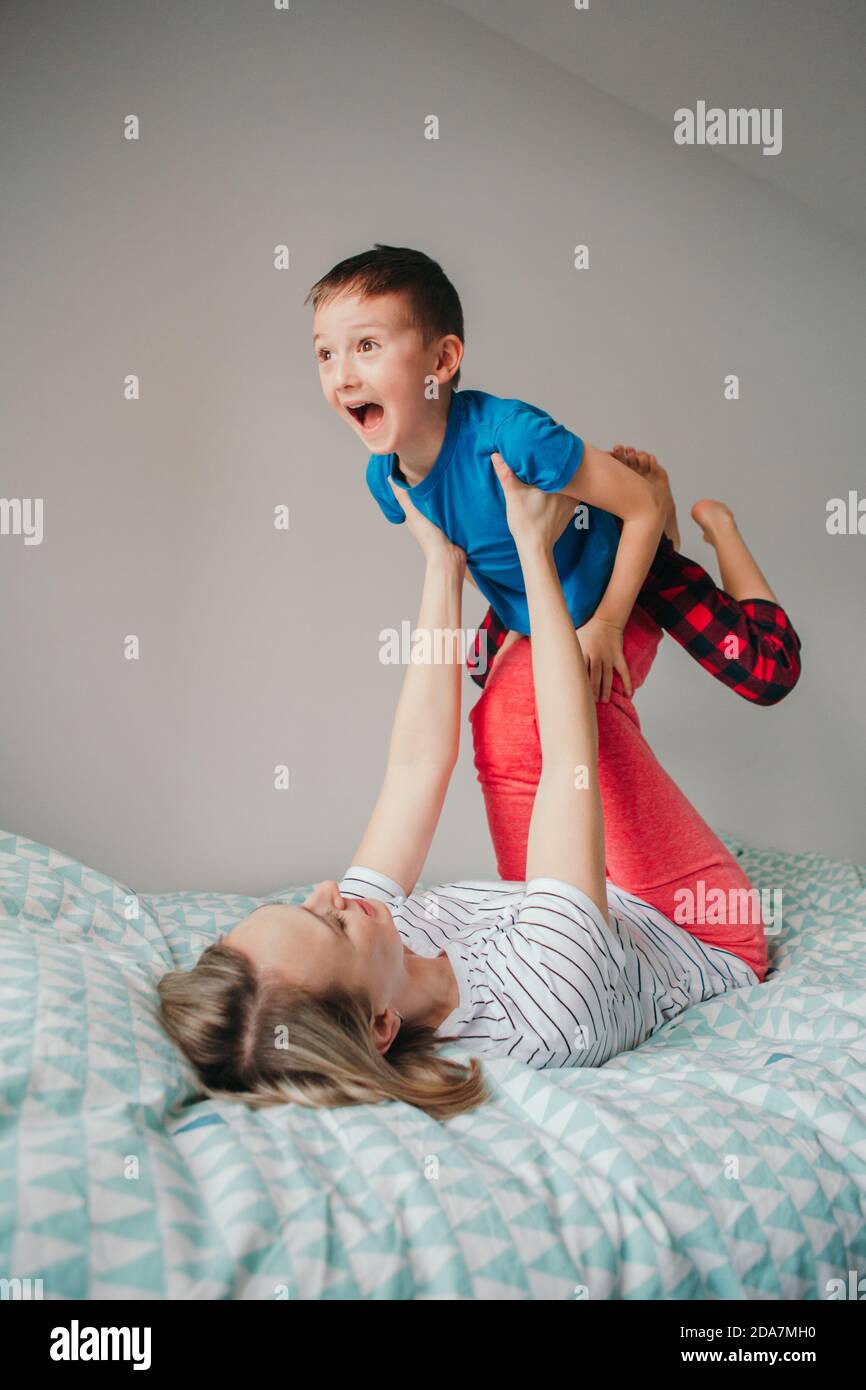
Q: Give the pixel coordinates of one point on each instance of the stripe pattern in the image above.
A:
(543, 979)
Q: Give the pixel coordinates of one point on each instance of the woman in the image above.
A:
(658, 847)
(345, 999)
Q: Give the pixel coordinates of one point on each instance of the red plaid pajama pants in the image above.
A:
(747, 644)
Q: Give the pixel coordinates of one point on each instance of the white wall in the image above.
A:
(261, 647)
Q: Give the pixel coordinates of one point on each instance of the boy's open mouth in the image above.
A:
(369, 414)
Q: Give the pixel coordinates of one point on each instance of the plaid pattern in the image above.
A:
(749, 645)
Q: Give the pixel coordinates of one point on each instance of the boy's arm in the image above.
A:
(602, 481)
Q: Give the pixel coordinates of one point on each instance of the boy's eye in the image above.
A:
(322, 352)
(341, 918)
(367, 340)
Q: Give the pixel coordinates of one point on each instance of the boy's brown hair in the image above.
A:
(433, 303)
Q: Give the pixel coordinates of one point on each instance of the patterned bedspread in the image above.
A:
(725, 1158)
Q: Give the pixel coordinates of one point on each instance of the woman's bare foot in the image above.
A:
(649, 467)
(712, 516)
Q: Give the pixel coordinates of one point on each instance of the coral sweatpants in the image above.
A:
(656, 843)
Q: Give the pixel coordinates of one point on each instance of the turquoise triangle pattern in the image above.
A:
(724, 1159)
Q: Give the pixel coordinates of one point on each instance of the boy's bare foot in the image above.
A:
(649, 467)
(741, 575)
(712, 516)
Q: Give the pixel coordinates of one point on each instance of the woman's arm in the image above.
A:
(566, 832)
(425, 736)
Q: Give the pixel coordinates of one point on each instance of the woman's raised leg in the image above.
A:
(657, 845)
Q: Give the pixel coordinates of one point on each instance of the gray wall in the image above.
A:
(261, 647)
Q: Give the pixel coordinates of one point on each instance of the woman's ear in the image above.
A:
(384, 1028)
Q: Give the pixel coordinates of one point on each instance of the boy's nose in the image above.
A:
(347, 377)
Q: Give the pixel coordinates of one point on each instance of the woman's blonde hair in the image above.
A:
(252, 1036)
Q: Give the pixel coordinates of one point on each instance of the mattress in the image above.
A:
(724, 1159)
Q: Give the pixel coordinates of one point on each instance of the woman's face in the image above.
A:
(330, 940)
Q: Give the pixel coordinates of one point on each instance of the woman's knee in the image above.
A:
(640, 642)
(503, 721)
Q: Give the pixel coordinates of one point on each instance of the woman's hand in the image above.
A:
(536, 516)
(432, 540)
(533, 515)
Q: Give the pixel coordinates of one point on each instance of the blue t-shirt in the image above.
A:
(463, 496)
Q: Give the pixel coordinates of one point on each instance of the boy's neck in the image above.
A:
(416, 461)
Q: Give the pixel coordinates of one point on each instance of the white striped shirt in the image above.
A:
(542, 977)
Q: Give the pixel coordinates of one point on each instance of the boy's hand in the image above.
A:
(649, 468)
(636, 459)
(430, 537)
(601, 644)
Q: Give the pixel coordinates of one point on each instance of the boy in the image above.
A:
(437, 445)
(740, 633)
(388, 337)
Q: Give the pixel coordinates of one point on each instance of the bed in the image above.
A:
(724, 1159)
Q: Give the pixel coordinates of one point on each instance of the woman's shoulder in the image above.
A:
(479, 888)
(475, 903)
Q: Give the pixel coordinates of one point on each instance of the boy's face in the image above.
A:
(370, 355)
